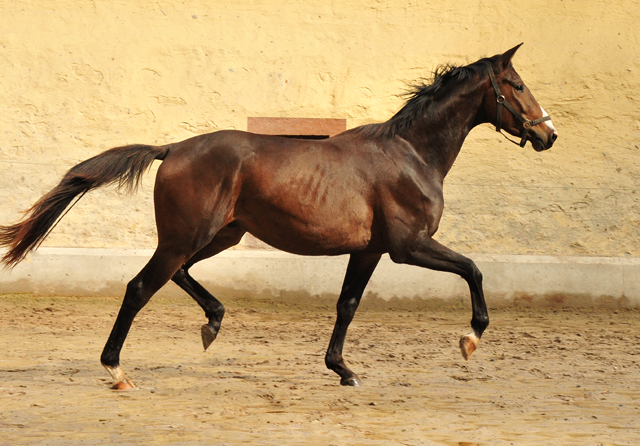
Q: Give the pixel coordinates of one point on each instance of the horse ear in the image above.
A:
(504, 60)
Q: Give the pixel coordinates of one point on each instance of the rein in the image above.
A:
(502, 101)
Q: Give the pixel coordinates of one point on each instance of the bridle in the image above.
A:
(502, 101)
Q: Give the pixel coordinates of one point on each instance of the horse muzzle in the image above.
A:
(542, 141)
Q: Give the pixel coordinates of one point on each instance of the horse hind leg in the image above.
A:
(227, 237)
(213, 308)
(160, 268)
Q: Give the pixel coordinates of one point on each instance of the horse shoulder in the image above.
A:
(410, 200)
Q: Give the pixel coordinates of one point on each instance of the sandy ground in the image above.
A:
(540, 377)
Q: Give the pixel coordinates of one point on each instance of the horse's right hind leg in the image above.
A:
(162, 266)
(227, 237)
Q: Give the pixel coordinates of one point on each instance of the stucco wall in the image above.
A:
(81, 77)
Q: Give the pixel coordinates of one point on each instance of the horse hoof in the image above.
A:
(126, 384)
(354, 381)
(208, 336)
(122, 381)
(468, 344)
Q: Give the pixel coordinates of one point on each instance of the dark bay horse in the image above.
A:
(371, 190)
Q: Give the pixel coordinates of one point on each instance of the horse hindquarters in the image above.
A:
(193, 201)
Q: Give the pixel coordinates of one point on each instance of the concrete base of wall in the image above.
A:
(508, 279)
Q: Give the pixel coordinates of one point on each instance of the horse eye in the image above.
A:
(520, 88)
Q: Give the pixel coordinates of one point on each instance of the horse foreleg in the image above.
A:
(227, 237)
(428, 253)
(359, 271)
(152, 277)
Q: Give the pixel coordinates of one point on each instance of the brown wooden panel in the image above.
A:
(296, 126)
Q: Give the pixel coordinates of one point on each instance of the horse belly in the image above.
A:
(308, 199)
(303, 228)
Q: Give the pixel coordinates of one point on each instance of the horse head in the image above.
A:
(527, 119)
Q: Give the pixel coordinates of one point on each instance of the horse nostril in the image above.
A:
(554, 136)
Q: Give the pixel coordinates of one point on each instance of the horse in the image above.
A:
(371, 190)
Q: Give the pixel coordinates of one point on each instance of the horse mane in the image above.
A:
(420, 95)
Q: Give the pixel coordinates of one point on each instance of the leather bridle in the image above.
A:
(502, 101)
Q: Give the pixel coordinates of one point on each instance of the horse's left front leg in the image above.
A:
(428, 253)
(359, 271)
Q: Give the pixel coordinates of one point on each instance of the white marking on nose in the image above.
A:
(549, 123)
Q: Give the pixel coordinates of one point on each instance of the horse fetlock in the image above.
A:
(347, 377)
(120, 380)
(468, 344)
(216, 315)
(334, 361)
(479, 325)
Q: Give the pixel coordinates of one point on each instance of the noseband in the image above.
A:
(502, 101)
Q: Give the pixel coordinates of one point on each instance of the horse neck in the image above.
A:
(439, 134)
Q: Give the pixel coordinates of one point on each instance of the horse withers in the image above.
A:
(371, 190)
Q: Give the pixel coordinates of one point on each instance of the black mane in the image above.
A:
(421, 95)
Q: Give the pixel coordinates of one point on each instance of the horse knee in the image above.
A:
(347, 307)
(134, 287)
(134, 297)
(477, 275)
(472, 273)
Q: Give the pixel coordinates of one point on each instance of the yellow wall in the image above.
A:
(81, 77)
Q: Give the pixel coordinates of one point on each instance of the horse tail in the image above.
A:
(122, 165)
